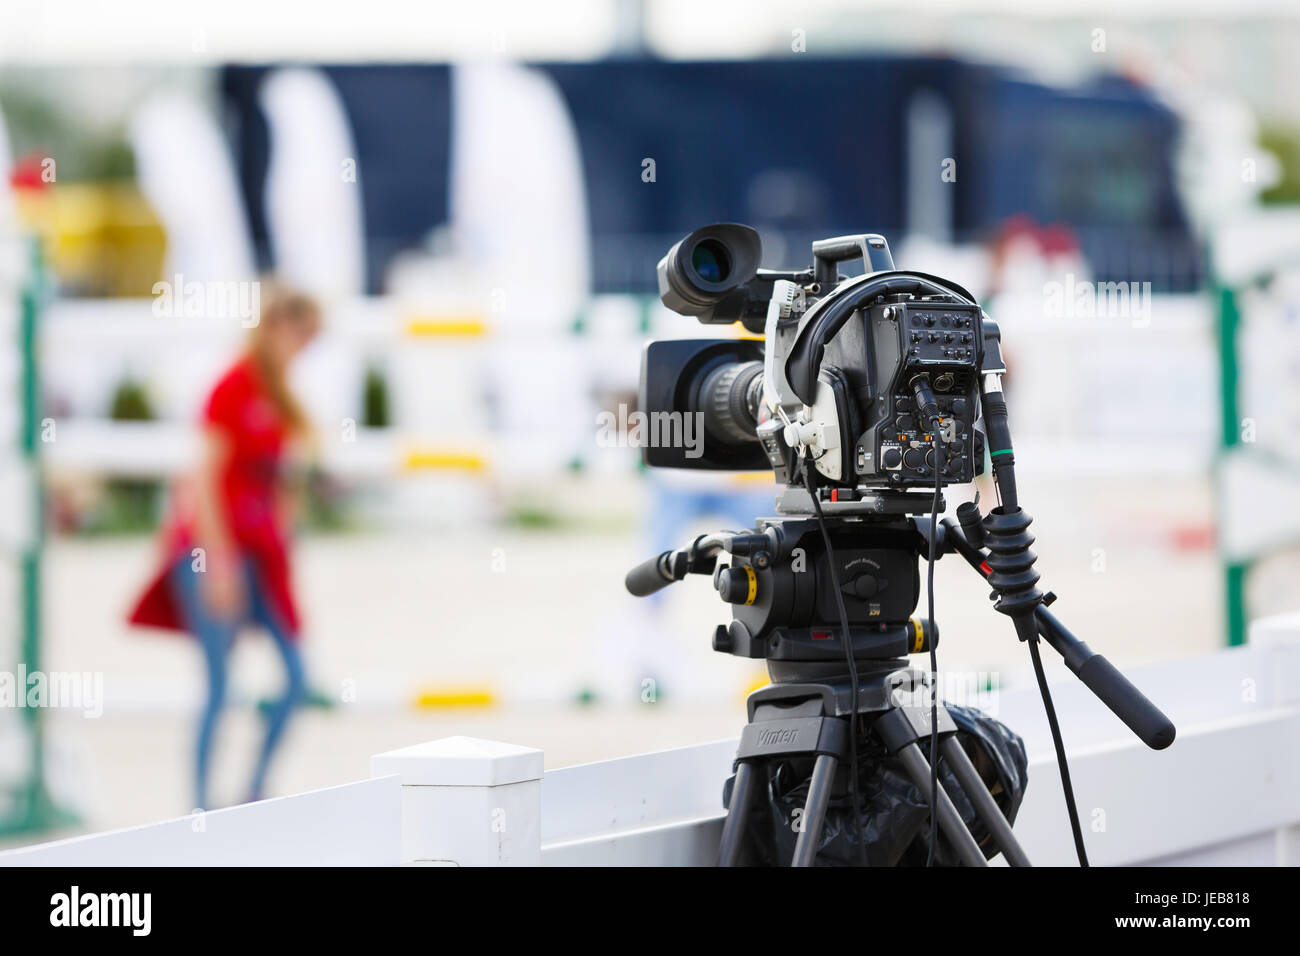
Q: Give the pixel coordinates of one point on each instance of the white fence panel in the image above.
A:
(356, 824)
(1227, 791)
(656, 809)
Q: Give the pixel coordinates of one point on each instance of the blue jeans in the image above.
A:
(216, 635)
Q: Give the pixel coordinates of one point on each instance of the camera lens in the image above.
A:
(729, 397)
(710, 261)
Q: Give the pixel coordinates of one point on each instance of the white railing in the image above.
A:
(357, 824)
(1227, 791)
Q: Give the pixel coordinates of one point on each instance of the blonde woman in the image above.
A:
(226, 542)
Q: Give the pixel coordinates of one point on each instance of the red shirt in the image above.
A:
(241, 410)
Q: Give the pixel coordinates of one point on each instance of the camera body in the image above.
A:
(842, 377)
(867, 368)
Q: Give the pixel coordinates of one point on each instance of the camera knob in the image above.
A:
(914, 458)
(864, 586)
(722, 639)
(891, 457)
(784, 294)
(737, 585)
(800, 433)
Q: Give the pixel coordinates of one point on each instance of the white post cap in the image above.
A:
(460, 762)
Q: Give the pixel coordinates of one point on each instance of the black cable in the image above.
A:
(1066, 786)
(997, 422)
(854, 797)
(934, 659)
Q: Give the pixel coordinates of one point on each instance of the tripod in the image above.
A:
(806, 711)
(807, 716)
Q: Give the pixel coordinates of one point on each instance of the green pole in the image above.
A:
(1229, 321)
(33, 808)
(1234, 572)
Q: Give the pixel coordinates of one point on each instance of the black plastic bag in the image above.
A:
(894, 825)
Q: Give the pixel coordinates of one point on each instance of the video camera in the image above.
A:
(877, 376)
(864, 391)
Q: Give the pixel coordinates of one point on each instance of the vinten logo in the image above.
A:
(102, 909)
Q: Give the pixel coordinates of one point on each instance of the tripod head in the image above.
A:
(781, 588)
(778, 584)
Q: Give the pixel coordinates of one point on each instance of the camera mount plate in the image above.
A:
(795, 500)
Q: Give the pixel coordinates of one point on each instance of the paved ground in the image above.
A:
(393, 614)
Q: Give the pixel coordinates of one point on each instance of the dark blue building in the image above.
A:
(799, 147)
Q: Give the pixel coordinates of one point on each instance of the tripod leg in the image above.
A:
(985, 807)
(733, 828)
(814, 811)
(950, 821)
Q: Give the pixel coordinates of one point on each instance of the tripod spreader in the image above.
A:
(1111, 687)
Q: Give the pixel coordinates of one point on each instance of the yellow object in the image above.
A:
(920, 636)
(99, 238)
(446, 326)
(433, 459)
(757, 685)
(455, 697)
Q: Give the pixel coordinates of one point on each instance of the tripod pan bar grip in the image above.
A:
(1112, 688)
(656, 573)
(1099, 675)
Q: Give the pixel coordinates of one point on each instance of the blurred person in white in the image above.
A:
(313, 188)
(184, 169)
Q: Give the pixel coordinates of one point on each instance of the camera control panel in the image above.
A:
(941, 340)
